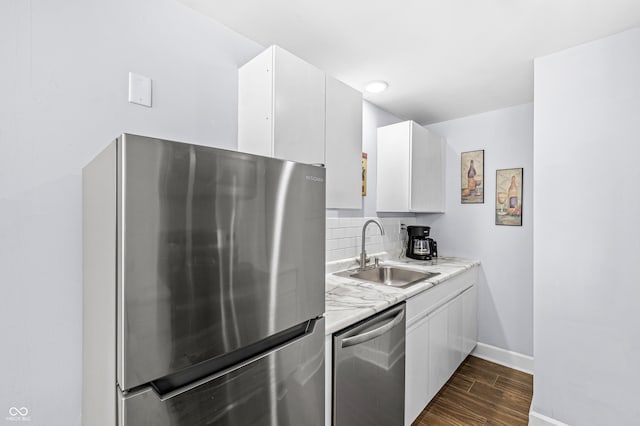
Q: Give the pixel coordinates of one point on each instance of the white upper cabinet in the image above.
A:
(343, 149)
(289, 109)
(411, 171)
(281, 107)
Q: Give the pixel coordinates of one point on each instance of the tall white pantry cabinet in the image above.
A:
(289, 109)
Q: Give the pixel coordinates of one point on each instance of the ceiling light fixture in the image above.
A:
(376, 86)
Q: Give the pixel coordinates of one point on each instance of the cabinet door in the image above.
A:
(455, 334)
(438, 352)
(417, 370)
(255, 105)
(299, 109)
(394, 181)
(410, 169)
(469, 320)
(343, 145)
(427, 171)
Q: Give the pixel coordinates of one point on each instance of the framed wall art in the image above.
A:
(364, 174)
(509, 197)
(472, 177)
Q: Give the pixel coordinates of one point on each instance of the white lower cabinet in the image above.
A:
(455, 331)
(441, 332)
(438, 351)
(416, 378)
(469, 320)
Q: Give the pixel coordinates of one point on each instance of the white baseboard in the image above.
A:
(510, 359)
(537, 419)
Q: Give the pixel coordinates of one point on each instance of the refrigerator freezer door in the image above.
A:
(216, 250)
(285, 387)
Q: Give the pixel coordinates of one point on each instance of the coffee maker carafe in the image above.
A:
(420, 246)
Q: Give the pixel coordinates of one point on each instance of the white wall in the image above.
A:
(63, 97)
(586, 234)
(505, 283)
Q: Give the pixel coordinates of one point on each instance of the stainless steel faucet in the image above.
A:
(363, 254)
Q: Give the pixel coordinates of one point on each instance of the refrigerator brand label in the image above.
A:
(314, 178)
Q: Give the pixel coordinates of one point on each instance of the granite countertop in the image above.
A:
(348, 301)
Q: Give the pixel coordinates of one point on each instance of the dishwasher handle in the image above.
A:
(369, 335)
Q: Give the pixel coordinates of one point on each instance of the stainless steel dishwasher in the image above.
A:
(368, 372)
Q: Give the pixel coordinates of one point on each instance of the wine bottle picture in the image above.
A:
(472, 177)
(509, 197)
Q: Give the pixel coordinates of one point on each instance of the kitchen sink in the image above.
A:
(388, 275)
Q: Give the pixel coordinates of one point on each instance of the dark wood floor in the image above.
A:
(481, 393)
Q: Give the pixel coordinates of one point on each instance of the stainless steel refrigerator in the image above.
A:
(203, 290)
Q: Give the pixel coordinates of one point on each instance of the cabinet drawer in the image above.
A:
(422, 304)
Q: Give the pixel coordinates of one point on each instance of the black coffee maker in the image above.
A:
(420, 246)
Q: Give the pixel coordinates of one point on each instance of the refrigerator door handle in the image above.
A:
(207, 379)
(369, 335)
(173, 385)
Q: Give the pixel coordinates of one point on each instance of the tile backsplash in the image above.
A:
(344, 236)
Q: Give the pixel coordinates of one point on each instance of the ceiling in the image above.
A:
(443, 59)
